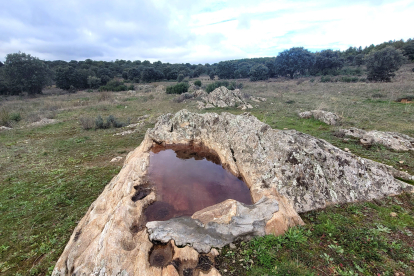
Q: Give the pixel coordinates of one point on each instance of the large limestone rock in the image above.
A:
(321, 115)
(392, 140)
(288, 169)
(223, 97)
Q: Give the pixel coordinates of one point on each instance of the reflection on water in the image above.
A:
(187, 180)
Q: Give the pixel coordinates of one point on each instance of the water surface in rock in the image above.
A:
(188, 179)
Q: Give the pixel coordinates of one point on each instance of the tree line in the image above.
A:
(24, 73)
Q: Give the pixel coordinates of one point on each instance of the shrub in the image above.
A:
(231, 86)
(180, 77)
(179, 88)
(349, 79)
(104, 96)
(111, 121)
(326, 79)
(86, 122)
(15, 116)
(382, 64)
(131, 87)
(4, 117)
(113, 85)
(198, 83)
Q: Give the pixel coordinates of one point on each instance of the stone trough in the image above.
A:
(287, 172)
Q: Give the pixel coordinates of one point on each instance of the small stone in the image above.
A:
(393, 214)
(214, 252)
(241, 260)
(116, 159)
(234, 261)
(285, 128)
(224, 270)
(399, 274)
(401, 162)
(346, 149)
(232, 246)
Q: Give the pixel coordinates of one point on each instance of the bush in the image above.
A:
(349, 79)
(86, 122)
(15, 116)
(180, 77)
(4, 117)
(198, 83)
(131, 87)
(231, 86)
(113, 85)
(179, 88)
(111, 121)
(382, 64)
(326, 79)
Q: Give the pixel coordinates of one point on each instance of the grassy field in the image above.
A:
(50, 174)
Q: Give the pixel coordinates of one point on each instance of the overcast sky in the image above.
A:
(180, 31)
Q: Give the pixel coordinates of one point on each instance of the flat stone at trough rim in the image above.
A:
(249, 220)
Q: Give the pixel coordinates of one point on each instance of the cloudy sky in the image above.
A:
(195, 31)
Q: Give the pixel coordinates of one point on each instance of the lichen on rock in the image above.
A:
(393, 140)
(321, 115)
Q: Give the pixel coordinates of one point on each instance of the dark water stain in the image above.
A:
(161, 255)
(188, 179)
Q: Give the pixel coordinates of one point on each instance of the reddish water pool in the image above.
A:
(189, 179)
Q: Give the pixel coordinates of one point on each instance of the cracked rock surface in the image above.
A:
(223, 97)
(291, 170)
(321, 115)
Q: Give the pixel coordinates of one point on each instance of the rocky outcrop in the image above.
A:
(393, 140)
(297, 171)
(324, 116)
(222, 97)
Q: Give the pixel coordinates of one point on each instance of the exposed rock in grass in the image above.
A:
(43, 122)
(296, 170)
(392, 140)
(324, 116)
(222, 97)
(5, 128)
(116, 159)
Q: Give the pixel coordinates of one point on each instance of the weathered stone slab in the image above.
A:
(392, 140)
(207, 229)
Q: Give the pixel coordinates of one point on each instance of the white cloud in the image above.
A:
(195, 31)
